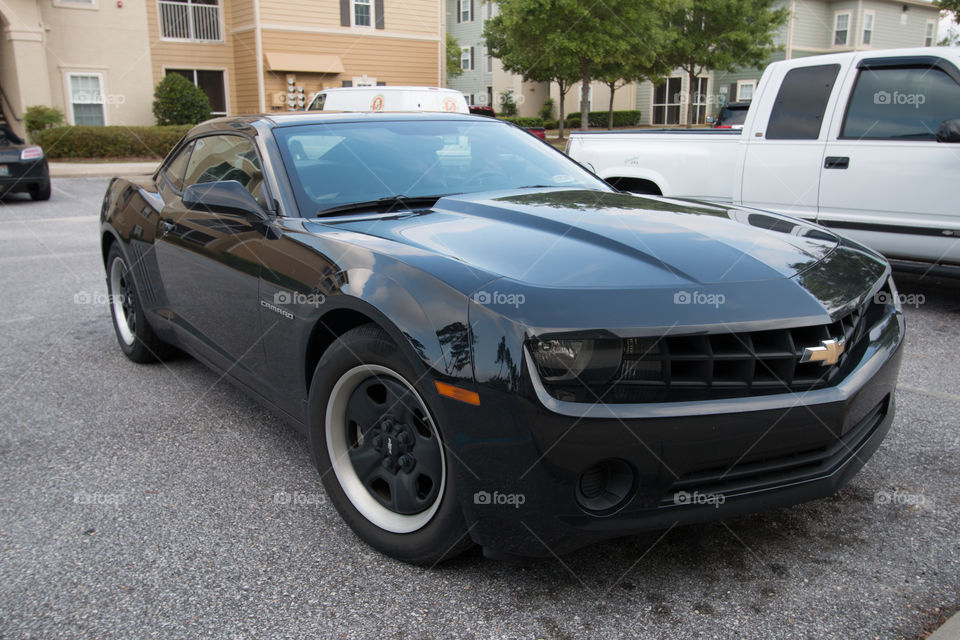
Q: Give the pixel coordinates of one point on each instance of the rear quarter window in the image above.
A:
(801, 103)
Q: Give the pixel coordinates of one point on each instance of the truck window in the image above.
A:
(798, 111)
(901, 103)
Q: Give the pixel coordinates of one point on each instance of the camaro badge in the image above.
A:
(826, 354)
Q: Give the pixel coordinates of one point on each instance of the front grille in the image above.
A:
(726, 365)
(759, 473)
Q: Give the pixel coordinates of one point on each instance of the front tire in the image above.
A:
(380, 452)
(137, 339)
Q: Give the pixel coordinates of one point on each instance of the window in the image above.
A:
(841, 27)
(177, 167)
(464, 10)
(211, 83)
(190, 20)
(76, 4)
(901, 103)
(666, 102)
(489, 64)
(86, 99)
(745, 89)
(466, 58)
(868, 19)
(801, 102)
(362, 13)
(217, 158)
(930, 35)
(700, 101)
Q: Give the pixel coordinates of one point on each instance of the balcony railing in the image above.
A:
(189, 20)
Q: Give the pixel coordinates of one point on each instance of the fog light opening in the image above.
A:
(605, 487)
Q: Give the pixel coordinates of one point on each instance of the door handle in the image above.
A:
(837, 162)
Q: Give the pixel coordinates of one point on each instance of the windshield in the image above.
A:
(341, 163)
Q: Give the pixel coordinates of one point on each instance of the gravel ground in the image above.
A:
(157, 501)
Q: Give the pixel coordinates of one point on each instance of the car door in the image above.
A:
(208, 260)
(781, 166)
(886, 181)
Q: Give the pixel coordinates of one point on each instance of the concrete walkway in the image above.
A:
(100, 169)
(949, 630)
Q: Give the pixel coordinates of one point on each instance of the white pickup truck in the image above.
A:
(867, 143)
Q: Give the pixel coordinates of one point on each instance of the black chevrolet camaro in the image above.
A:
(486, 344)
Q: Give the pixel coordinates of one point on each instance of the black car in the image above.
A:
(23, 167)
(486, 344)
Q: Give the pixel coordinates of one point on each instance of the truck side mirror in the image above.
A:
(949, 131)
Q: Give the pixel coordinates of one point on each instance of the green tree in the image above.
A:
(617, 74)
(722, 35)
(176, 100)
(949, 6)
(454, 70)
(39, 117)
(559, 40)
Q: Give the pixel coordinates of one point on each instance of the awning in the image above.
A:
(304, 62)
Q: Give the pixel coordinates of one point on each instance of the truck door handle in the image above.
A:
(837, 162)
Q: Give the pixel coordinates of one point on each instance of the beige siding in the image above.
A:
(400, 16)
(193, 55)
(244, 79)
(390, 60)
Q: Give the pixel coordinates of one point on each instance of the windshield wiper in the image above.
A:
(387, 204)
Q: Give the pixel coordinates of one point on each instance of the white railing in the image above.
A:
(185, 20)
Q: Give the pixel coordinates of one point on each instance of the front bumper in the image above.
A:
(519, 464)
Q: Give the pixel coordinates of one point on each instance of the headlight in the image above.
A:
(587, 361)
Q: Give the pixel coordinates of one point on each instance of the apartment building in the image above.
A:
(815, 27)
(99, 60)
(483, 80)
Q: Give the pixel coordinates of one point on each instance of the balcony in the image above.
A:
(190, 20)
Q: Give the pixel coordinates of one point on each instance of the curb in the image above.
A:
(100, 169)
(949, 630)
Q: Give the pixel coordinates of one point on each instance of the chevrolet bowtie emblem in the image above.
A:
(826, 354)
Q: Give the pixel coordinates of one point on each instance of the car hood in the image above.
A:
(594, 239)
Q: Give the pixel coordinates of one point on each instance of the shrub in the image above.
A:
(508, 105)
(550, 124)
(629, 118)
(179, 101)
(109, 142)
(546, 111)
(40, 117)
(525, 122)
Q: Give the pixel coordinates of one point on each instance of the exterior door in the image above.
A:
(781, 167)
(208, 260)
(886, 181)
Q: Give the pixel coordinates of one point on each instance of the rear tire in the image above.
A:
(41, 192)
(380, 451)
(137, 339)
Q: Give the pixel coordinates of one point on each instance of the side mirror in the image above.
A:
(710, 120)
(225, 196)
(949, 131)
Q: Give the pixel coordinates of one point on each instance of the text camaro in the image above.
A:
(485, 344)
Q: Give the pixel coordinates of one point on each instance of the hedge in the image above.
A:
(629, 118)
(525, 122)
(109, 142)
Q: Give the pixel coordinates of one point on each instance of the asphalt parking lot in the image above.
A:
(158, 501)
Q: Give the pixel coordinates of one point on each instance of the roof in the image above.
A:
(289, 119)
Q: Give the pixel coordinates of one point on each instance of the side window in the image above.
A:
(798, 111)
(178, 167)
(901, 103)
(227, 157)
